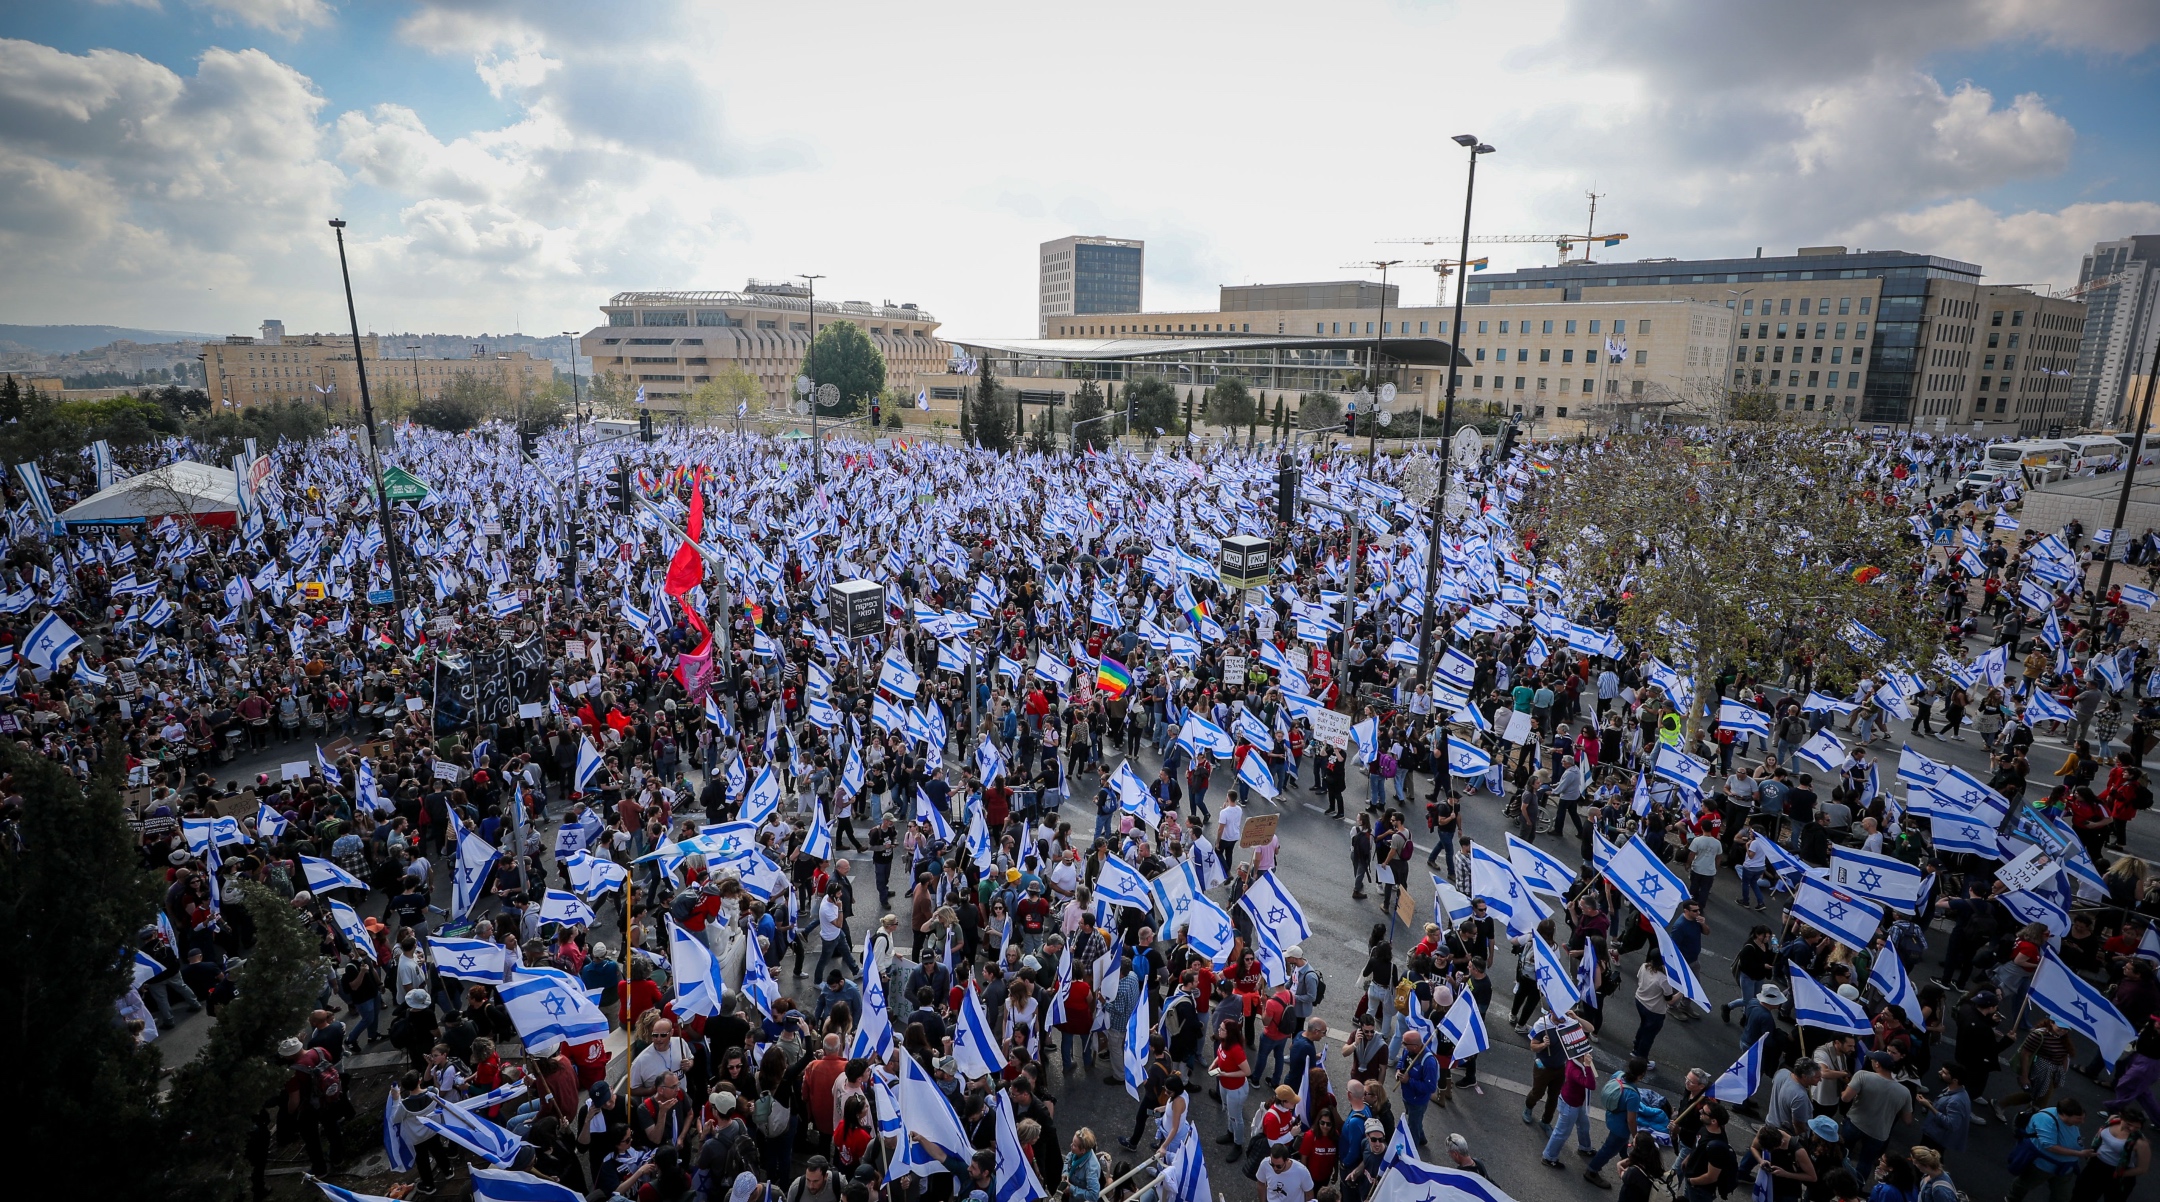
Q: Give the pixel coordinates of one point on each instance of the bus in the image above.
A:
(2145, 449)
(2043, 459)
(2099, 452)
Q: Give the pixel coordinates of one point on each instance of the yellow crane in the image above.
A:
(1565, 243)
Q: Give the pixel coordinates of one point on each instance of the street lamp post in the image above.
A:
(1470, 143)
(577, 447)
(817, 445)
(2122, 502)
(367, 414)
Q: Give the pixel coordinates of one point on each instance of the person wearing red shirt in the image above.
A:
(1232, 1074)
(642, 995)
(591, 1059)
(1321, 1146)
(817, 1084)
(1079, 1021)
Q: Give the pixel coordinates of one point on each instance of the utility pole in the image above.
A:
(817, 445)
(367, 414)
(2122, 501)
(577, 447)
(1471, 143)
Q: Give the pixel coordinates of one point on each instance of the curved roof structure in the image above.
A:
(1434, 352)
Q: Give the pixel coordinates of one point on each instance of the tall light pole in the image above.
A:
(367, 414)
(817, 446)
(413, 353)
(1470, 143)
(2122, 502)
(577, 447)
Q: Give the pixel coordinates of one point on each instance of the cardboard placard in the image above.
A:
(1233, 667)
(239, 805)
(1299, 657)
(2036, 864)
(1258, 829)
(1331, 727)
(1574, 1041)
(337, 747)
(574, 648)
(414, 705)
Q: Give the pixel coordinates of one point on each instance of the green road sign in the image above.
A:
(401, 485)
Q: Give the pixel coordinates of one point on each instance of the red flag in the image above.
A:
(687, 570)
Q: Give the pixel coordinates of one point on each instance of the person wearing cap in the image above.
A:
(1877, 1103)
(414, 1028)
(313, 1101)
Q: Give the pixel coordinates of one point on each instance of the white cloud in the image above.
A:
(2033, 247)
(699, 144)
(288, 18)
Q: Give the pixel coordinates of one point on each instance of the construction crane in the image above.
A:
(1566, 243)
(1442, 269)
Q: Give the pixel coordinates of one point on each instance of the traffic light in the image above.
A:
(1507, 444)
(1349, 423)
(644, 425)
(619, 485)
(529, 441)
(1286, 481)
(874, 411)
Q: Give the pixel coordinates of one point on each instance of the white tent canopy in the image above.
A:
(181, 488)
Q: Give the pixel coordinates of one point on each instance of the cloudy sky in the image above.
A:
(506, 164)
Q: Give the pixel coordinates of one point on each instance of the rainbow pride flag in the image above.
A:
(1111, 677)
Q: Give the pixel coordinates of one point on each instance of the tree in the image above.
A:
(610, 393)
(1087, 405)
(1153, 404)
(1753, 405)
(1318, 411)
(843, 356)
(1042, 432)
(994, 425)
(466, 401)
(216, 1095)
(1737, 552)
(73, 896)
(733, 390)
(1229, 405)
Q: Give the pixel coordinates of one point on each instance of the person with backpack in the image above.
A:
(313, 1102)
(2121, 1156)
(1279, 1025)
(1622, 1101)
(2049, 1152)
(1710, 1169)
(1935, 1183)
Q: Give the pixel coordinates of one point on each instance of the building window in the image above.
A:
(1537, 411)
(1544, 354)
(1560, 411)
(1589, 386)
(1642, 358)
(622, 319)
(1477, 381)
(1481, 326)
(1503, 327)
(1784, 306)
(666, 317)
(1865, 301)
(1338, 327)
(1319, 327)
(2017, 318)
(1567, 354)
(1518, 383)
(768, 325)
(1809, 403)
(1541, 383)
(1548, 327)
(1833, 379)
(1421, 326)
(1481, 354)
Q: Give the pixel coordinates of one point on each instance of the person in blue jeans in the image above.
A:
(1419, 1075)
(2054, 1131)
(1620, 1122)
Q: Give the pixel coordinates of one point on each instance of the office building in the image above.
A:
(1542, 359)
(2120, 284)
(1083, 275)
(243, 370)
(670, 343)
(1892, 336)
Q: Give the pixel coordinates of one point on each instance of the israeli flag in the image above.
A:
(396, 1147)
(1742, 718)
(1842, 916)
(589, 760)
(369, 794)
(1679, 971)
(2031, 907)
(563, 906)
(1824, 751)
(1467, 759)
(2042, 707)
(1014, 1175)
(1555, 978)
(897, 678)
(1968, 794)
(460, 1126)
(1210, 930)
(1537, 869)
(1888, 977)
(467, 959)
(979, 848)
(349, 925)
(594, 877)
(2079, 1006)
(1133, 795)
(1682, 769)
(1739, 1083)
(1493, 878)
(1252, 772)
(40, 499)
(1136, 1046)
(1049, 668)
(1198, 735)
(1119, 883)
(269, 824)
(1464, 1026)
(323, 874)
(50, 641)
(818, 844)
(2143, 598)
(1366, 737)
(1449, 905)
(699, 983)
(505, 1185)
(1186, 1171)
(763, 800)
(1274, 909)
(1641, 877)
(1878, 877)
(758, 982)
(469, 871)
(975, 1046)
(329, 771)
(928, 814)
(1815, 1006)
(1952, 831)
(874, 1034)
